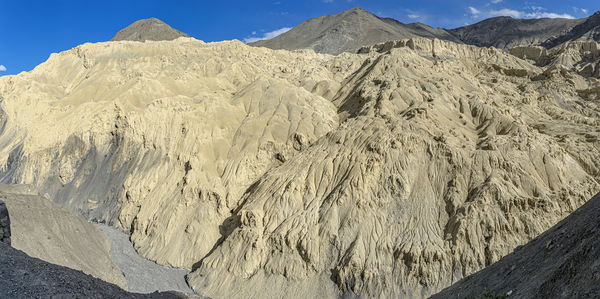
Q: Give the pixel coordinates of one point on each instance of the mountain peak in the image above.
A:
(349, 31)
(357, 9)
(148, 29)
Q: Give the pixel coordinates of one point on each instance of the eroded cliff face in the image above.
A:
(390, 173)
(580, 56)
(446, 161)
(162, 138)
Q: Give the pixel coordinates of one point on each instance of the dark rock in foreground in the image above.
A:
(563, 262)
(22, 276)
(4, 224)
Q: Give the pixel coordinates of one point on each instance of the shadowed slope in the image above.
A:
(563, 262)
(506, 32)
(586, 31)
(22, 276)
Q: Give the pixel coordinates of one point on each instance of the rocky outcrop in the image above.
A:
(348, 31)
(581, 57)
(4, 224)
(148, 29)
(560, 263)
(386, 174)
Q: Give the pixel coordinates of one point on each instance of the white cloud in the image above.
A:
(582, 10)
(2, 68)
(267, 35)
(536, 8)
(474, 11)
(534, 13)
(496, 1)
(414, 16)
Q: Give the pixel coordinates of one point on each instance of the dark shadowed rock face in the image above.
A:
(148, 29)
(506, 32)
(563, 262)
(4, 224)
(22, 276)
(348, 31)
(586, 31)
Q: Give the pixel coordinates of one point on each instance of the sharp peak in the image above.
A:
(150, 20)
(356, 10)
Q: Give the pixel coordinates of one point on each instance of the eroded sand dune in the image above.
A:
(389, 173)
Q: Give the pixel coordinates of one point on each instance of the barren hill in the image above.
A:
(348, 31)
(148, 29)
(561, 263)
(507, 32)
(586, 31)
(390, 173)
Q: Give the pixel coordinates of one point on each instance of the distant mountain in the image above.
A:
(148, 29)
(349, 31)
(355, 28)
(561, 263)
(589, 30)
(506, 32)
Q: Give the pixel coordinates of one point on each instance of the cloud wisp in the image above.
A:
(535, 13)
(2, 68)
(267, 35)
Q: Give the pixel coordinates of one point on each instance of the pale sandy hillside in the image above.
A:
(390, 173)
(43, 230)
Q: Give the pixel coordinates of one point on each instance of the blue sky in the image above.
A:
(31, 30)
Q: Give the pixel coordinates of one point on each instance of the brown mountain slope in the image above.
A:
(348, 31)
(563, 262)
(506, 32)
(586, 31)
(148, 29)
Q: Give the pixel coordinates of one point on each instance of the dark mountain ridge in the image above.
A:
(348, 31)
(352, 29)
